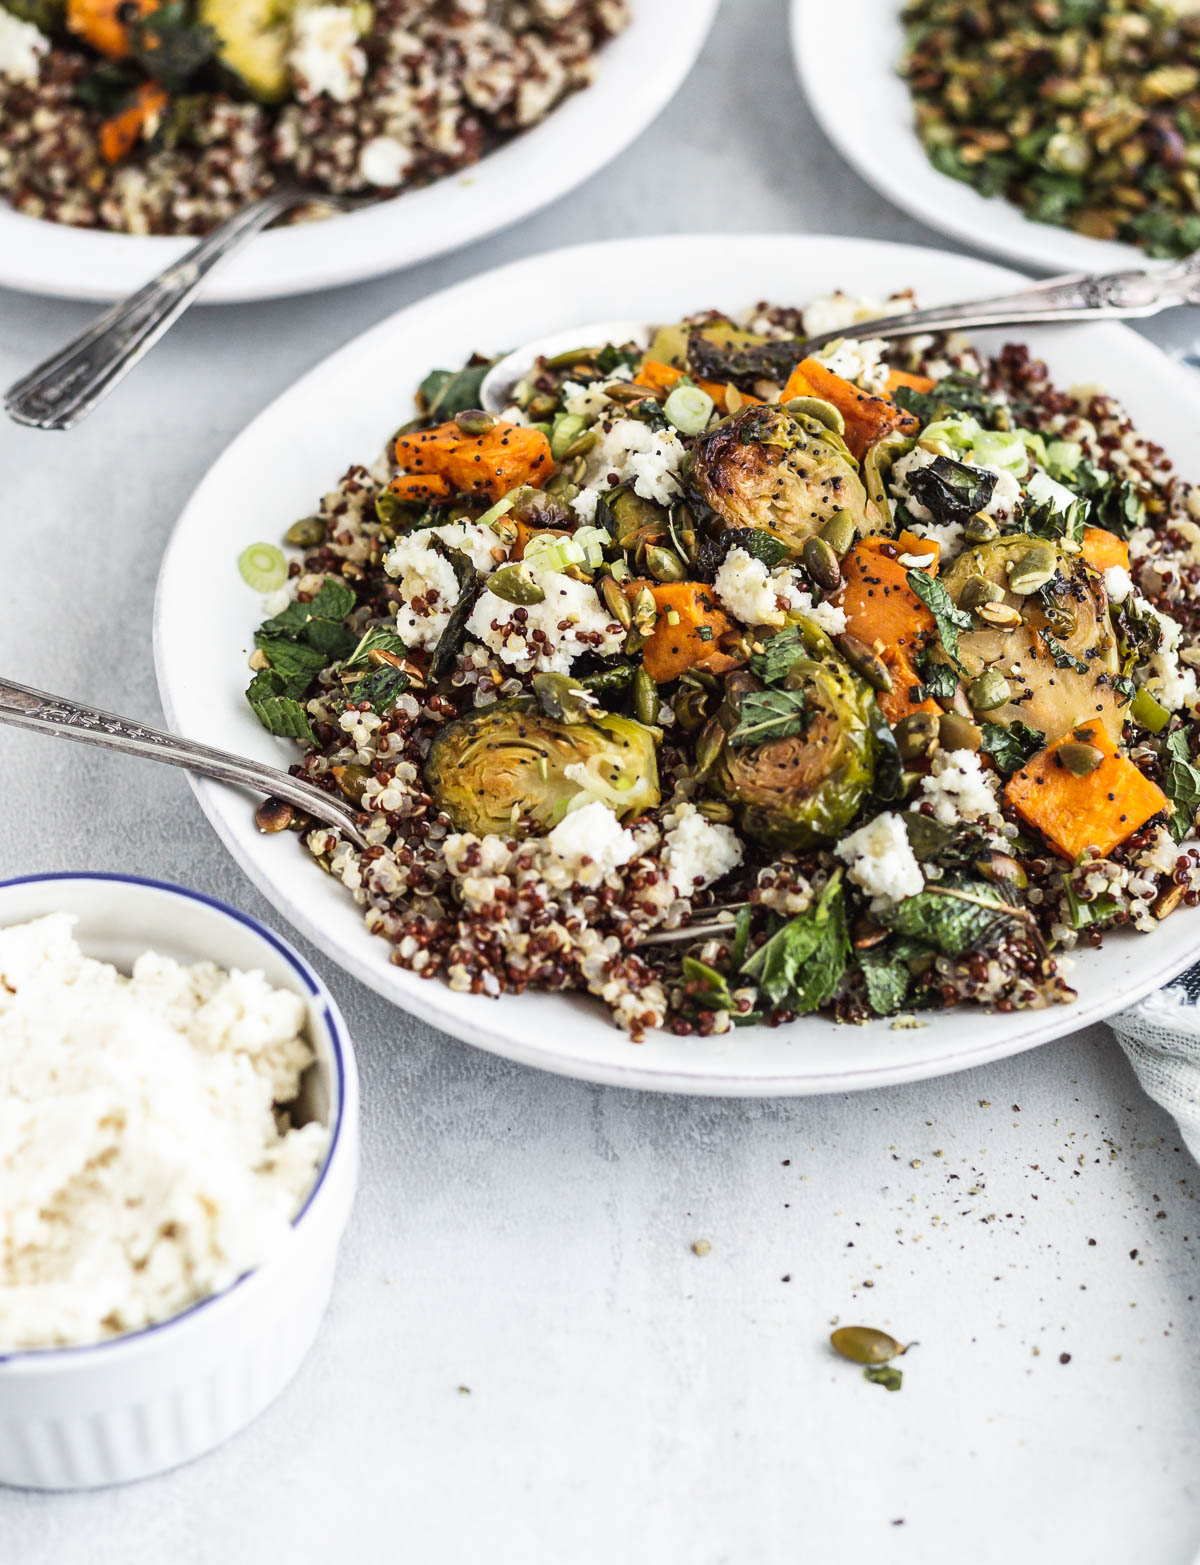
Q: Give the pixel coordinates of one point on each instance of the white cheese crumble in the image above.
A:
(384, 161)
(428, 583)
(959, 788)
(698, 851)
(1118, 583)
(631, 452)
(142, 1166)
(550, 635)
(880, 860)
(858, 362)
(747, 589)
(325, 56)
(1006, 497)
(590, 401)
(592, 833)
(22, 46)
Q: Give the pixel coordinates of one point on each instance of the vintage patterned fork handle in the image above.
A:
(35, 709)
(62, 391)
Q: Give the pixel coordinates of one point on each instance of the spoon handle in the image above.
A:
(1113, 296)
(63, 390)
(34, 709)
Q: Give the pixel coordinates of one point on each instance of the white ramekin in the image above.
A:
(80, 1418)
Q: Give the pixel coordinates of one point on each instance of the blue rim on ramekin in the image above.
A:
(339, 1042)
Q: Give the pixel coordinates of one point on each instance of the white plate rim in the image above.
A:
(906, 177)
(639, 73)
(629, 1065)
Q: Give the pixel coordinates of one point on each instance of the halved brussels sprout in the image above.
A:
(1061, 656)
(805, 786)
(253, 40)
(512, 770)
(767, 468)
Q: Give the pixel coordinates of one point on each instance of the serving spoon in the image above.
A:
(1128, 295)
(35, 709)
(61, 391)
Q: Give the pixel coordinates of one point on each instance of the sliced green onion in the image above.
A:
(689, 409)
(501, 508)
(1063, 457)
(992, 448)
(567, 429)
(592, 540)
(263, 567)
(552, 554)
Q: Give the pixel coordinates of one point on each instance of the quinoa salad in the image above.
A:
(728, 684)
(167, 116)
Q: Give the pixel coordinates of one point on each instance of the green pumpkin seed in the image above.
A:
(563, 698)
(999, 615)
(1002, 868)
(838, 532)
(630, 391)
(515, 584)
(865, 663)
(1078, 759)
(989, 691)
(616, 602)
(645, 611)
(981, 529)
(307, 533)
(958, 733)
(716, 811)
(978, 590)
(351, 781)
(1032, 570)
(821, 563)
(273, 815)
(709, 745)
(581, 445)
(664, 564)
(645, 698)
(691, 707)
(916, 736)
(474, 421)
(865, 1344)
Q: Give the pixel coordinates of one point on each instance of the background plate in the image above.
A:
(638, 75)
(343, 411)
(846, 55)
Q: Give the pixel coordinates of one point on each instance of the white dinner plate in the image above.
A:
(343, 411)
(846, 55)
(638, 74)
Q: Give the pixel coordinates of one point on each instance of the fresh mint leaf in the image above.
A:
(741, 936)
(888, 781)
(933, 840)
(949, 617)
(885, 1375)
(333, 601)
(1083, 915)
(1044, 520)
(759, 544)
(938, 679)
(1062, 658)
(378, 639)
(1181, 784)
(444, 393)
(886, 978)
(380, 688)
(296, 661)
(952, 491)
(956, 393)
(771, 714)
(778, 655)
(278, 712)
(802, 963)
(1011, 745)
(955, 917)
(713, 993)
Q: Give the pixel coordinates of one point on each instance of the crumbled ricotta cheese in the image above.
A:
(858, 362)
(550, 635)
(747, 589)
(632, 452)
(384, 161)
(698, 851)
(142, 1166)
(959, 788)
(1006, 497)
(829, 618)
(832, 311)
(22, 46)
(326, 56)
(880, 860)
(1169, 681)
(428, 583)
(1118, 583)
(590, 842)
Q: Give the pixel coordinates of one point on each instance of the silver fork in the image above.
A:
(63, 390)
(34, 709)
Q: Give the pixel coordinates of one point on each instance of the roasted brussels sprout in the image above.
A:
(512, 770)
(802, 783)
(767, 468)
(252, 42)
(1047, 633)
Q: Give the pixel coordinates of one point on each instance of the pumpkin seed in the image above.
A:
(581, 445)
(958, 733)
(981, 529)
(307, 533)
(821, 563)
(1002, 868)
(630, 391)
(989, 691)
(1032, 570)
(865, 1344)
(515, 584)
(352, 781)
(664, 564)
(865, 663)
(1169, 901)
(1078, 759)
(645, 698)
(916, 736)
(273, 815)
(563, 698)
(709, 745)
(645, 611)
(716, 811)
(474, 421)
(691, 706)
(978, 590)
(999, 615)
(838, 532)
(616, 602)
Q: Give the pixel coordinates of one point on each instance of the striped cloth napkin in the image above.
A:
(1161, 1037)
